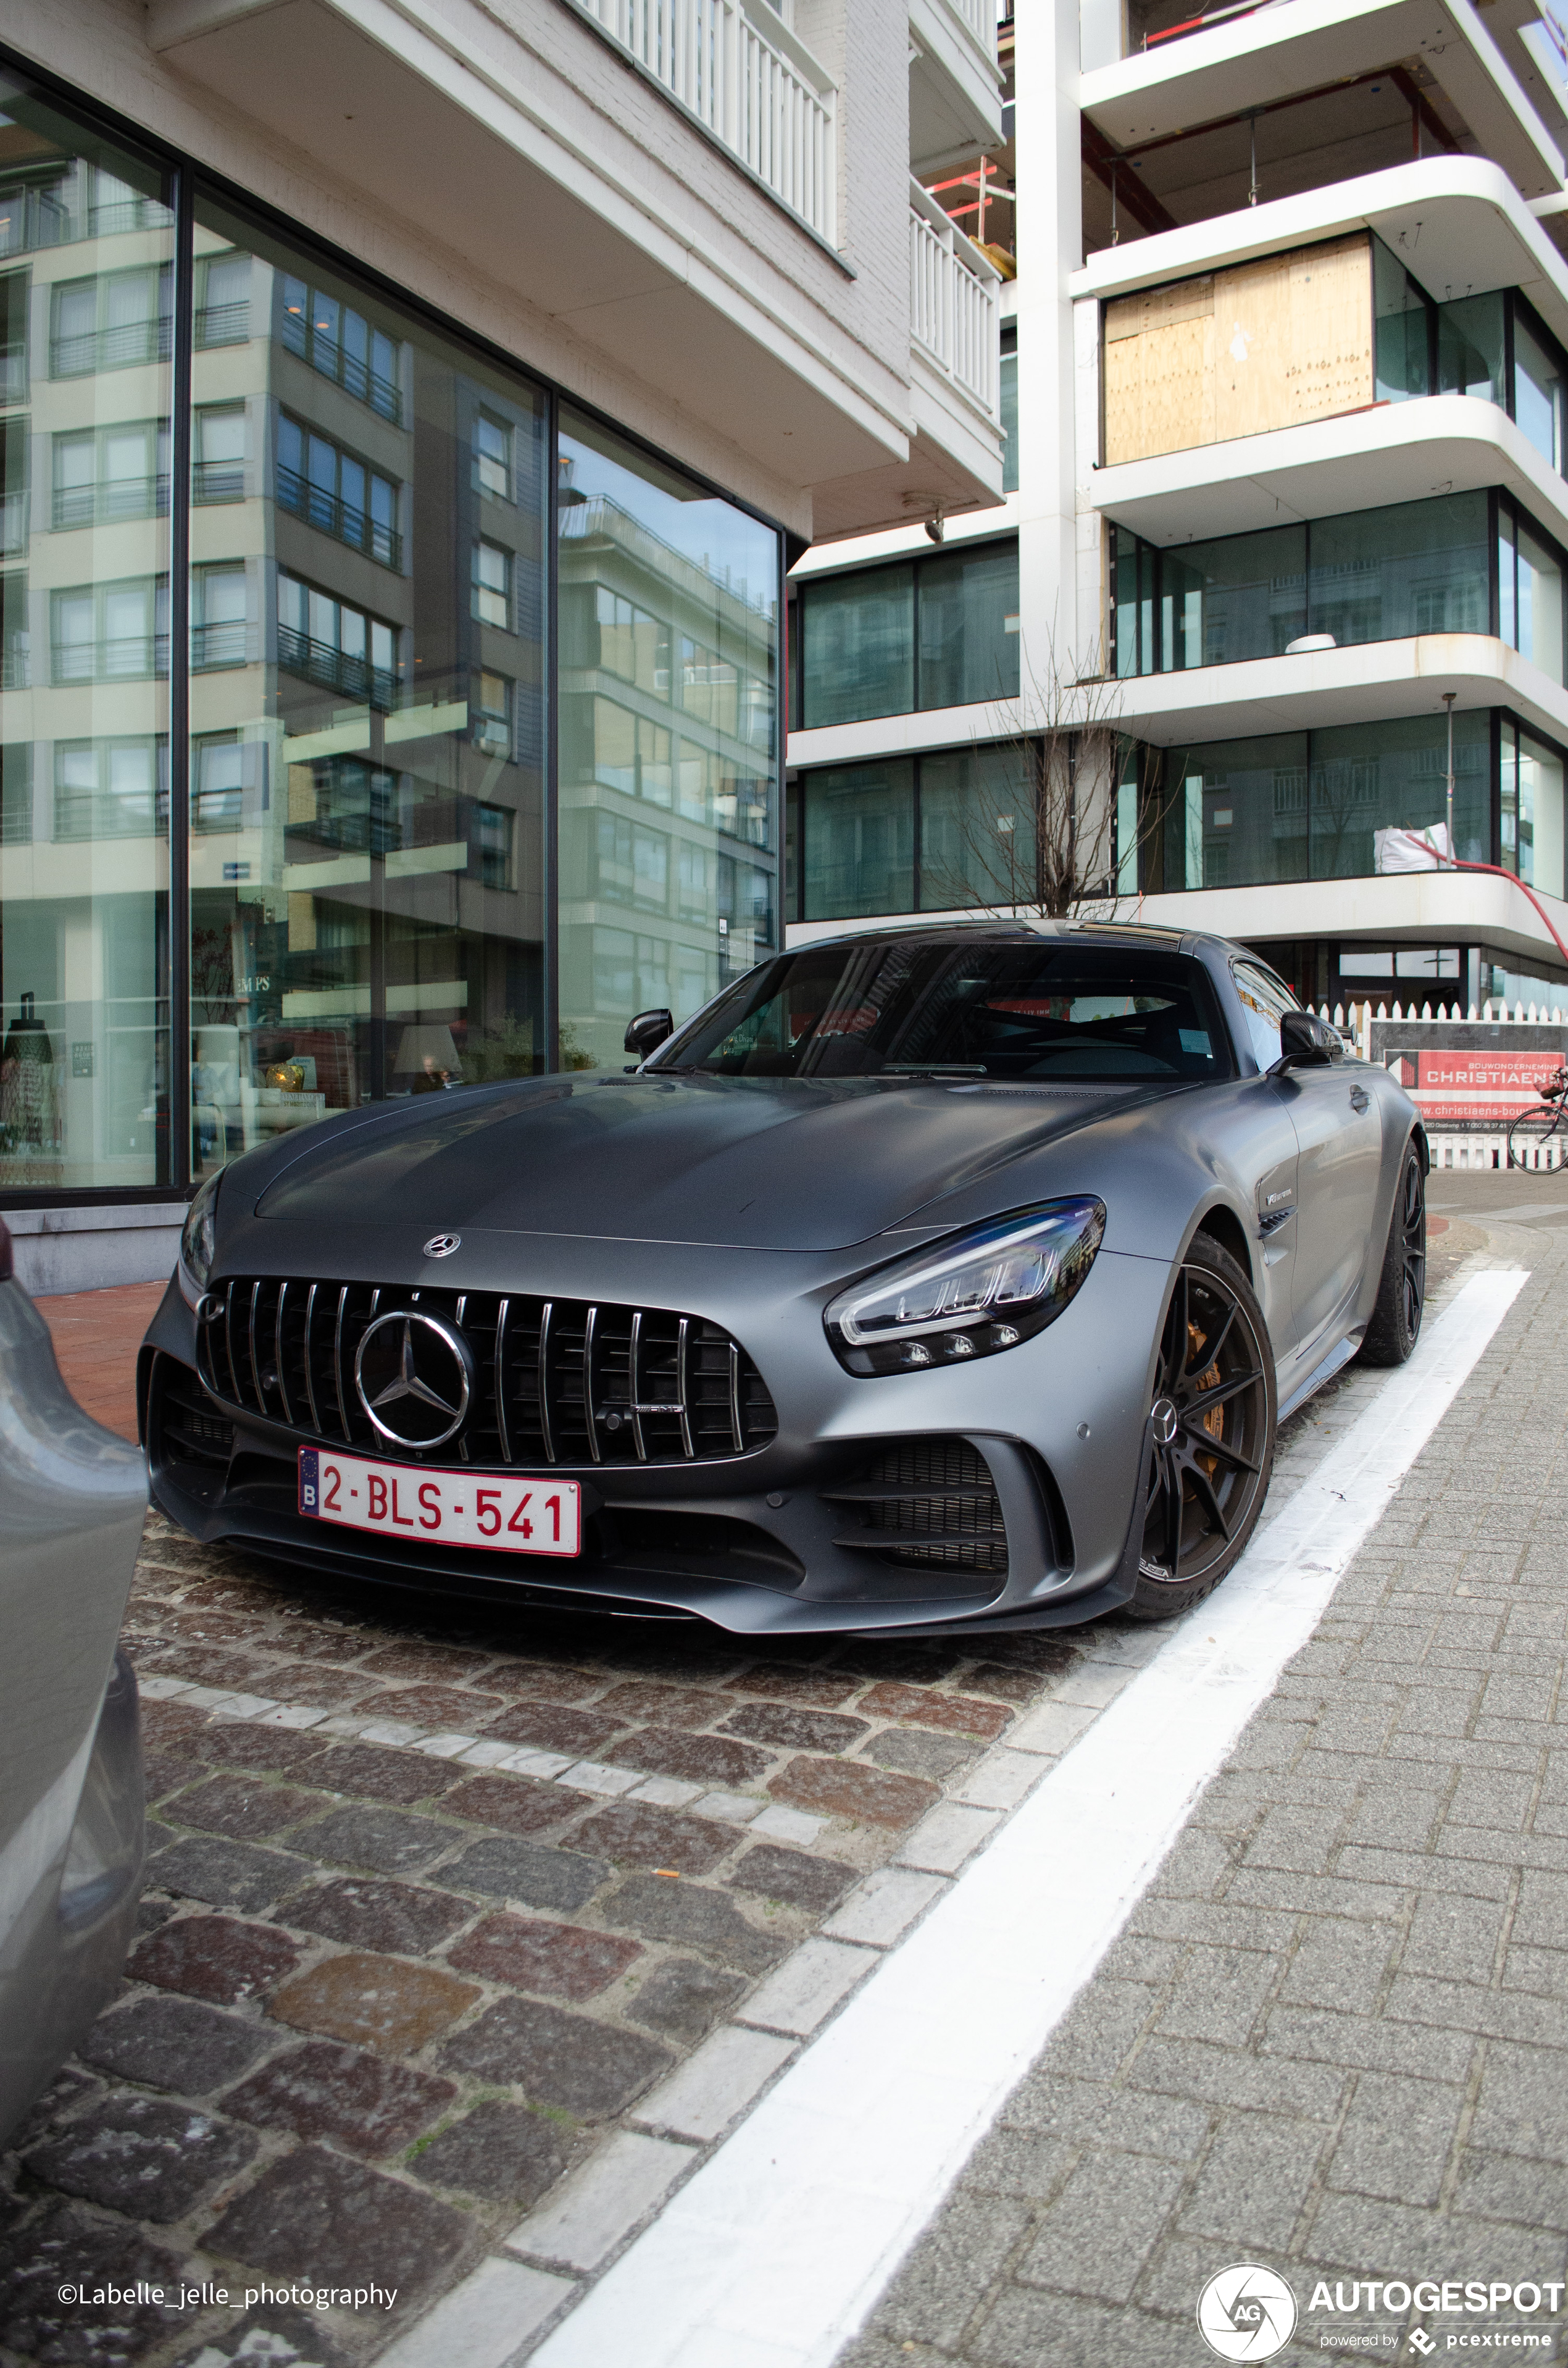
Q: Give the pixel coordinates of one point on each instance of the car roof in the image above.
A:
(1082, 931)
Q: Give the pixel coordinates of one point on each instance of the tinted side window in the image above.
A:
(1265, 1001)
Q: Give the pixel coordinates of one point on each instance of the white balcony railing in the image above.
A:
(980, 18)
(741, 71)
(954, 303)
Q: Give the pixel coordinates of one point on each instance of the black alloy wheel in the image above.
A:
(1395, 1325)
(1211, 1434)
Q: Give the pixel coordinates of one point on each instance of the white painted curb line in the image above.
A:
(774, 2253)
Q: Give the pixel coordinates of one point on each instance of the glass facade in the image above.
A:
(1008, 390)
(86, 251)
(1495, 347)
(294, 585)
(1454, 564)
(669, 811)
(938, 833)
(942, 632)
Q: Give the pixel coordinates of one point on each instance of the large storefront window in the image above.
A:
(275, 824)
(668, 688)
(87, 249)
(367, 745)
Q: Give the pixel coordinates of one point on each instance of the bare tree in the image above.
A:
(1046, 840)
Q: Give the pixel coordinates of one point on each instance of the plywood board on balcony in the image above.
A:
(1267, 345)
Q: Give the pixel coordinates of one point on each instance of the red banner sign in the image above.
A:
(1481, 1088)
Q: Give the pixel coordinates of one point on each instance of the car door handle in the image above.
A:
(1360, 1100)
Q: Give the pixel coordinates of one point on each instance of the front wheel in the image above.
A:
(1401, 1291)
(1529, 1134)
(1211, 1434)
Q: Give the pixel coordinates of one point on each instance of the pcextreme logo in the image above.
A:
(1247, 2313)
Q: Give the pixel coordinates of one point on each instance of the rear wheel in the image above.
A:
(1211, 1425)
(1530, 1134)
(1401, 1292)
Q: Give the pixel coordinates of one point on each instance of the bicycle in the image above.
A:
(1532, 1130)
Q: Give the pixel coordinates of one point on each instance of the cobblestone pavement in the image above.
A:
(462, 1934)
(1331, 2040)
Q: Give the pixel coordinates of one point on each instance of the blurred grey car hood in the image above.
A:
(737, 1163)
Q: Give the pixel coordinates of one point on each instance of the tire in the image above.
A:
(1396, 1327)
(1209, 1473)
(1531, 1132)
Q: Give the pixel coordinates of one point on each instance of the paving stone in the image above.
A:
(39, 2326)
(815, 1883)
(214, 1957)
(1339, 1963)
(547, 1727)
(734, 1808)
(272, 2332)
(319, 2215)
(308, 1683)
(593, 1776)
(640, 1704)
(1002, 1779)
(884, 1907)
(354, 2098)
(1018, 1686)
(1098, 2233)
(1052, 1727)
(899, 1660)
(143, 2158)
(788, 1726)
(434, 1662)
(812, 1980)
(374, 2001)
(917, 1754)
(532, 1954)
(947, 1836)
(666, 1792)
(207, 1665)
(562, 2060)
(370, 1772)
(535, 1679)
(226, 1874)
(698, 1759)
(592, 2212)
(527, 1871)
(682, 1998)
(504, 2153)
(396, 1916)
(1255, 2177)
(1522, 2108)
(485, 2321)
(782, 1681)
(1396, 2139)
(960, 2254)
(509, 1802)
(439, 1706)
(240, 1807)
(171, 2042)
(838, 1788)
(716, 2083)
(388, 1840)
(266, 1750)
(634, 1833)
(691, 1916)
(1219, 1996)
(950, 1713)
(791, 1826)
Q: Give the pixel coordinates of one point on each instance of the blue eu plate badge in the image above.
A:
(310, 1481)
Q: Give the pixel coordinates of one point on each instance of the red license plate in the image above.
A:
(502, 1511)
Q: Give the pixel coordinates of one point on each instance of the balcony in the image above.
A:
(955, 85)
(338, 518)
(735, 65)
(954, 306)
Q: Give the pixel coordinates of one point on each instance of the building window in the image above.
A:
(337, 493)
(493, 456)
(492, 585)
(629, 643)
(218, 780)
(111, 789)
(1009, 397)
(1434, 566)
(341, 344)
(218, 616)
(942, 632)
(223, 299)
(1530, 818)
(112, 321)
(944, 832)
(490, 713)
(108, 474)
(218, 453)
(110, 632)
(492, 845)
(334, 645)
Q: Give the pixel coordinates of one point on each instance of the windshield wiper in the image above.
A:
(932, 1069)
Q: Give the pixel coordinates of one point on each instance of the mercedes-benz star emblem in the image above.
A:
(415, 1376)
(442, 1245)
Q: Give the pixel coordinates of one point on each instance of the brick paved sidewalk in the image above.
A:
(1333, 2039)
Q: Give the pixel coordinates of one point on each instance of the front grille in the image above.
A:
(927, 1502)
(556, 1381)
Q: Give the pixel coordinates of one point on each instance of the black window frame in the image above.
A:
(918, 563)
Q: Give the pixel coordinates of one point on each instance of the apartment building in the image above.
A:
(408, 416)
(1285, 491)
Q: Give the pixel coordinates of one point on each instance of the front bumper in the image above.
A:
(915, 1502)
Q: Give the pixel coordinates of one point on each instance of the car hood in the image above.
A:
(737, 1163)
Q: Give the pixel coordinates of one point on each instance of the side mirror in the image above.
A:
(1306, 1043)
(648, 1032)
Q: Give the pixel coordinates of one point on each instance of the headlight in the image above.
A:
(198, 1235)
(968, 1297)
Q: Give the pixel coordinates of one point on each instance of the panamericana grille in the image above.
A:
(556, 1381)
(928, 1502)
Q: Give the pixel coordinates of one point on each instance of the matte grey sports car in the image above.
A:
(940, 1278)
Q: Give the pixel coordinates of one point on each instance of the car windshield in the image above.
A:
(1044, 1010)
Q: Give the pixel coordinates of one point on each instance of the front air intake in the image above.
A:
(927, 1502)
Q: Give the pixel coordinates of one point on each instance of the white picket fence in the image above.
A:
(1473, 1148)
